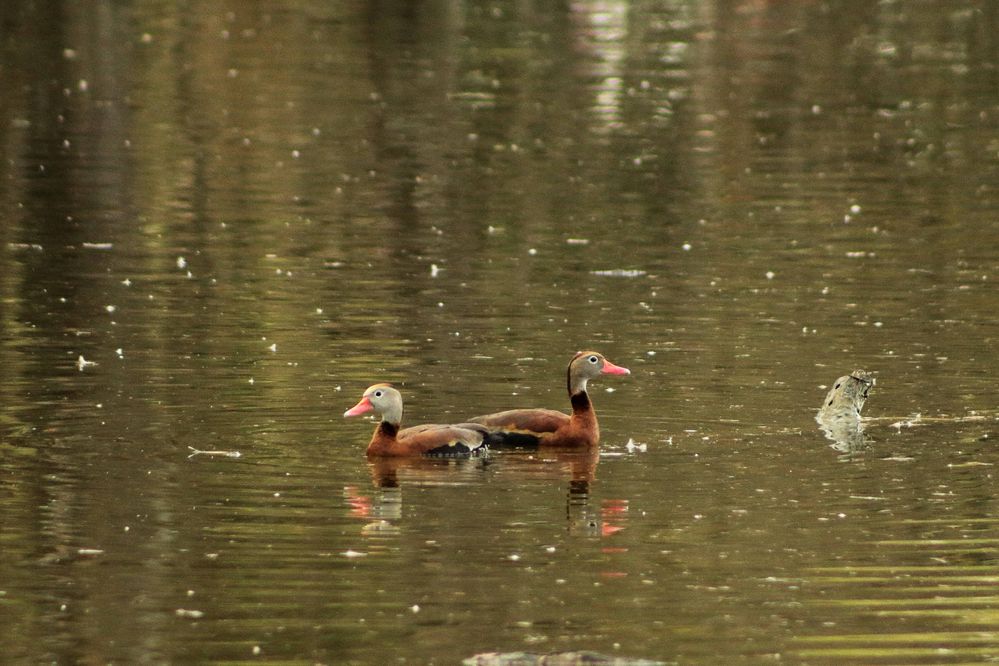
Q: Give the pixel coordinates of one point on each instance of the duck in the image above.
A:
(389, 440)
(548, 427)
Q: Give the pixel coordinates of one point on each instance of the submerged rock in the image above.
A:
(839, 416)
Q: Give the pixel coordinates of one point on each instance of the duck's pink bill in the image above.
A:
(611, 369)
(363, 406)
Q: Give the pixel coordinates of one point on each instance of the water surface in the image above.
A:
(222, 222)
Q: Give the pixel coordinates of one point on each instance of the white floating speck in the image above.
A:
(532, 251)
(577, 241)
(83, 85)
(120, 352)
(181, 262)
(633, 446)
(250, 380)
(687, 247)
(353, 553)
(90, 551)
(194, 614)
(82, 363)
(256, 650)
(415, 608)
(319, 310)
(127, 282)
(434, 270)
(854, 209)
(620, 272)
(110, 308)
(273, 347)
(514, 558)
(296, 154)
(771, 275)
(98, 246)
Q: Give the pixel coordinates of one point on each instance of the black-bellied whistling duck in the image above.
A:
(436, 440)
(547, 427)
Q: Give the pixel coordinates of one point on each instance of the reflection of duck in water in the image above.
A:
(389, 474)
(392, 472)
(839, 416)
(434, 440)
(554, 465)
(547, 427)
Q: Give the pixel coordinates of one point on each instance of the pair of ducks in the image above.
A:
(517, 427)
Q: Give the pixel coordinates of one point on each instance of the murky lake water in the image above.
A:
(221, 222)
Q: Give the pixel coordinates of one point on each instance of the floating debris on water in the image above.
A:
(577, 241)
(82, 363)
(633, 446)
(353, 553)
(193, 614)
(227, 454)
(181, 262)
(620, 272)
(24, 246)
(90, 552)
(434, 270)
(98, 246)
(555, 659)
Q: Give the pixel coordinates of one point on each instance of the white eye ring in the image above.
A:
(593, 359)
(378, 394)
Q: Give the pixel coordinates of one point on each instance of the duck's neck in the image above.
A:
(580, 403)
(583, 422)
(387, 429)
(384, 439)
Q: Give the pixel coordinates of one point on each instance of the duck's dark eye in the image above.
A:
(378, 394)
(593, 359)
